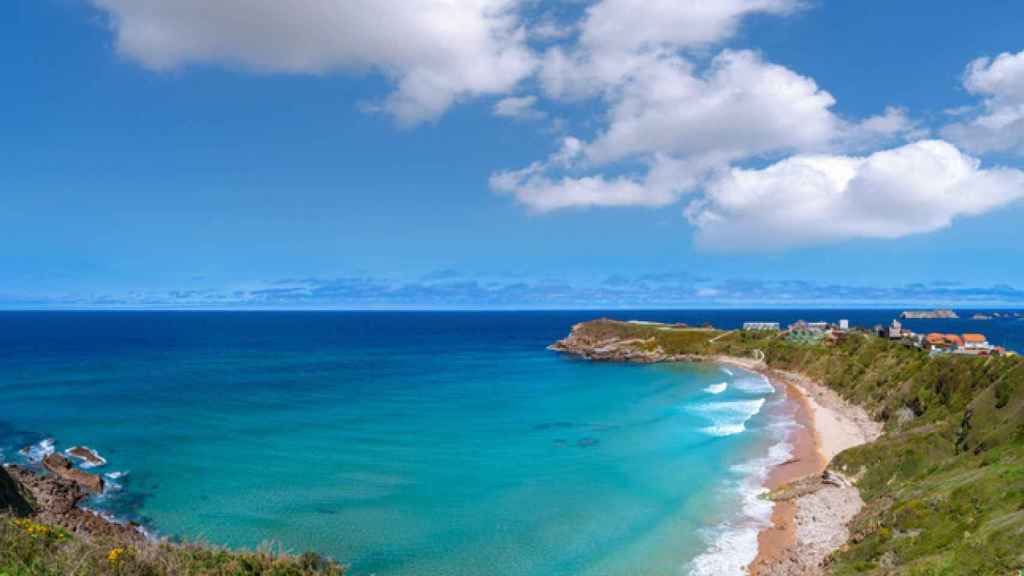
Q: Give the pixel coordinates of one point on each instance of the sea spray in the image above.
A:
(39, 451)
(729, 417)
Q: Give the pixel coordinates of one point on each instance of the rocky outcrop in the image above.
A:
(56, 502)
(87, 455)
(62, 467)
(13, 499)
(591, 340)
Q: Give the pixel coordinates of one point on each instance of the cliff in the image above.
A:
(13, 499)
(943, 486)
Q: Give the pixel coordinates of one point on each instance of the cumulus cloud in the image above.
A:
(999, 126)
(436, 51)
(619, 38)
(811, 199)
(519, 107)
(740, 106)
(629, 26)
(674, 126)
(674, 117)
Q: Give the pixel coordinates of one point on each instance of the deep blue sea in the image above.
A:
(412, 443)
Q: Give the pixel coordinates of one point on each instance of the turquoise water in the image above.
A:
(401, 443)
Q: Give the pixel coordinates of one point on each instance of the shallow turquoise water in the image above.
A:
(401, 443)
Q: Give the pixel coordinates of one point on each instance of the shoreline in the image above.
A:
(806, 460)
(812, 506)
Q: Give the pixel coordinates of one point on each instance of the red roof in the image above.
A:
(975, 338)
(954, 339)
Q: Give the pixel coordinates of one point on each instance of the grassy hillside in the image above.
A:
(31, 549)
(944, 486)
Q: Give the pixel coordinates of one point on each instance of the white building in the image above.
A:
(844, 324)
(761, 326)
(896, 330)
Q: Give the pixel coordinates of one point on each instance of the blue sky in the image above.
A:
(511, 153)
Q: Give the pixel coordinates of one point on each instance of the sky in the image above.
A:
(511, 153)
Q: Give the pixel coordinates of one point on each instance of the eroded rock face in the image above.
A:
(12, 498)
(56, 501)
(62, 467)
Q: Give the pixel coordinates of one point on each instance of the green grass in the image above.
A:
(31, 549)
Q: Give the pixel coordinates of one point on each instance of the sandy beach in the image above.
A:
(809, 520)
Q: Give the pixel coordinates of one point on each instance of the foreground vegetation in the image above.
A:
(944, 486)
(28, 548)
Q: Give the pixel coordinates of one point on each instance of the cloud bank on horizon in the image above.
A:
(461, 291)
(754, 153)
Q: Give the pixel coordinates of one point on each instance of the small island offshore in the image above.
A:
(915, 462)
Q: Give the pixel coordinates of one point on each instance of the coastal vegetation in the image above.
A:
(943, 486)
(44, 532)
(30, 548)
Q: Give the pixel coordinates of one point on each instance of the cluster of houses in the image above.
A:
(802, 332)
(961, 344)
(938, 343)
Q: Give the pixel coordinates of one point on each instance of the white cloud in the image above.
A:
(673, 118)
(1000, 124)
(741, 106)
(436, 51)
(618, 38)
(813, 199)
(629, 26)
(521, 107)
(678, 127)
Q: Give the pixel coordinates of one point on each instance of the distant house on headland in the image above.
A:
(895, 330)
(761, 326)
(975, 342)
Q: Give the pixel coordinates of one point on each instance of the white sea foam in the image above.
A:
(724, 429)
(716, 388)
(732, 545)
(728, 418)
(727, 371)
(112, 483)
(37, 452)
(755, 384)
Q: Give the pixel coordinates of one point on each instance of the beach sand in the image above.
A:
(807, 528)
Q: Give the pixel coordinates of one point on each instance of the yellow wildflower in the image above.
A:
(115, 555)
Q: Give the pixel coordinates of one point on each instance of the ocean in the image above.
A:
(411, 442)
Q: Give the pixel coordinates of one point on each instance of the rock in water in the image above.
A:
(62, 467)
(91, 458)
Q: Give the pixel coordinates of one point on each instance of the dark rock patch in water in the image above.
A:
(553, 425)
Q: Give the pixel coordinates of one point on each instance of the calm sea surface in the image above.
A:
(411, 443)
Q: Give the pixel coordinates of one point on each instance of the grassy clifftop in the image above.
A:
(944, 486)
(28, 548)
